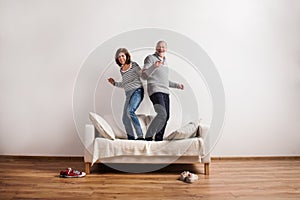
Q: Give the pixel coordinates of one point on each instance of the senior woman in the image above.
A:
(134, 91)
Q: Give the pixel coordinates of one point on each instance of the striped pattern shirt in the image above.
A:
(130, 78)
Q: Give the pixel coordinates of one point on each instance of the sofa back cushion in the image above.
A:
(187, 131)
(121, 134)
(102, 126)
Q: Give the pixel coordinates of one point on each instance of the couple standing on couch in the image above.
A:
(156, 72)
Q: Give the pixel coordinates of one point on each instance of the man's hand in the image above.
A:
(181, 86)
(158, 63)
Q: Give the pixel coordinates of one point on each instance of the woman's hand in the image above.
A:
(111, 80)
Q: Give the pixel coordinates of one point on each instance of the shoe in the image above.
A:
(65, 172)
(191, 178)
(188, 177)
(130, 137)
(149, 138)
(140, 138)
(70, 173)
(183, 175)
(159, 138)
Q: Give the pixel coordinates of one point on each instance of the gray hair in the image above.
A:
(161, 41)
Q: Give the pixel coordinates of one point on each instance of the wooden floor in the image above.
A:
(37, 178)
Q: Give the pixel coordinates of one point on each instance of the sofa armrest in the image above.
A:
(89, 136)
(203, 133)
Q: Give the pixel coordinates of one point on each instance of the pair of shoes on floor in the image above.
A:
(71, 173)
(188, 177)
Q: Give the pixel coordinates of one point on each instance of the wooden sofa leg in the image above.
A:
(206, 168)
(87, 168)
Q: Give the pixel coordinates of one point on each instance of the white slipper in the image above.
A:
(191, 178)
(183, 175)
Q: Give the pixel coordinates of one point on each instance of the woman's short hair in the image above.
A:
(125, 51)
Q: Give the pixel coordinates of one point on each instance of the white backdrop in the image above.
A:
(254, 44)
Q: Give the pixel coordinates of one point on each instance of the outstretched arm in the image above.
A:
(113, 82)
(176, 85)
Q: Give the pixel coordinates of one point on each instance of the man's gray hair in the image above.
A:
(161, 41)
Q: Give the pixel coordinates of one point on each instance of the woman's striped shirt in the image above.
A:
(130, 78)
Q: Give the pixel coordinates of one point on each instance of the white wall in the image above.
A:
(254, 44)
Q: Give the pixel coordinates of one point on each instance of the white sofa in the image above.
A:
(181, 146)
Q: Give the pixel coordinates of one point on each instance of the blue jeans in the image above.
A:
(161, 104)
(132, 102)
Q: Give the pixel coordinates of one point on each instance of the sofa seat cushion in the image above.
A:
(104, 148)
